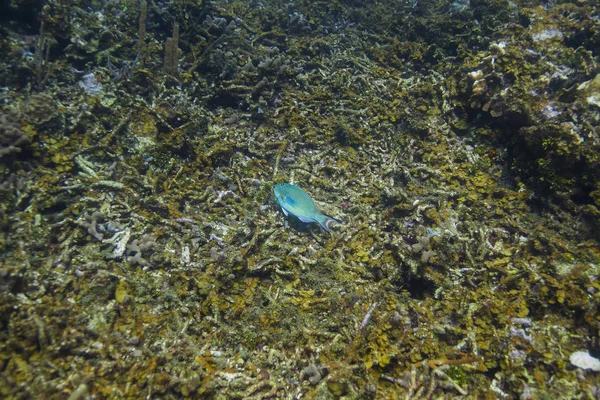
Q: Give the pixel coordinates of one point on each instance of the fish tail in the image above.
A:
(327, 222)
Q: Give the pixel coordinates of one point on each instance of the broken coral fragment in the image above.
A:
(591, 91)
(583, 360)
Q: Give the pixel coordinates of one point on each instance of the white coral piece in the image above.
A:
(583, 360)
(119, 240)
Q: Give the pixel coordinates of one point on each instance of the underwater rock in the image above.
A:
(43, 112)
(591, 91)
(312, 374)
(90, 84)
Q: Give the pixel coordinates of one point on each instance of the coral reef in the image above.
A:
(143, 254)
(12, 138)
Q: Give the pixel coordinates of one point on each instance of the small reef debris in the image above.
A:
(583, 360)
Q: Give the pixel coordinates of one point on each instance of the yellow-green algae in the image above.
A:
(139, 259)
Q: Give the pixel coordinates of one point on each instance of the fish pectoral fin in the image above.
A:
(284, 212)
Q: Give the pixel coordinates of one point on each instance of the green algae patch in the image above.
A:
(145, 256)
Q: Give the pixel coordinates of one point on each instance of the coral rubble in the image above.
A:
(143, 254)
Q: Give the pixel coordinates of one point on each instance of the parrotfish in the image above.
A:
(295, 201)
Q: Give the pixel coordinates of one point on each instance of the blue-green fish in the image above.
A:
(295, 201)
